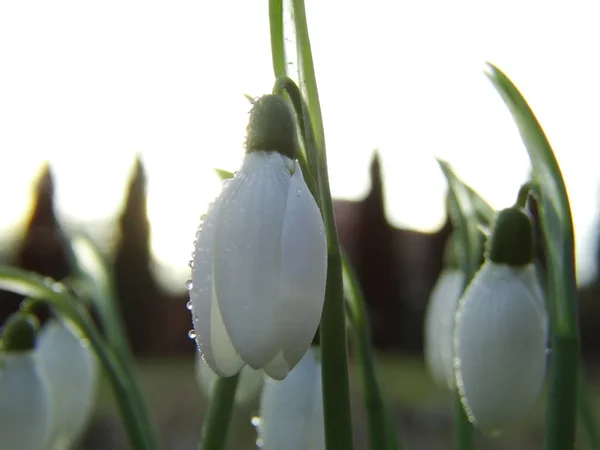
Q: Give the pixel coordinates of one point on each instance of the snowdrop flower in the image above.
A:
(25, 404)
(292, 410)
(72, 373)
(260, 258)
(439, 326)
(501, 329)
(249, 385)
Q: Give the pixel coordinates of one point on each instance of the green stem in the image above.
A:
(89, 265)
(133, 412)
(277, 40)
(463, 429)
(216, 425)
(560, 433)
(524, 192)
(382, 434)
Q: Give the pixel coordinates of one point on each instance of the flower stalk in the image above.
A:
(216, 424)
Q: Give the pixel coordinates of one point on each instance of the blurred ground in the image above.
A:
(422, 412)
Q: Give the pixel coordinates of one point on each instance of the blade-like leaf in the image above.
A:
(557, 229)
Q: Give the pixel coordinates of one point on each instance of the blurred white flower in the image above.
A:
(500, 345)
(259, 269)
(248, 387)
(72, 373)
(292, 410)
(25, 403)
(439, 326)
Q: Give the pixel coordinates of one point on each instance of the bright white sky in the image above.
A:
(87, 85)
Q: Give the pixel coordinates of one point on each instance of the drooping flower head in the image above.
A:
(25, 403)
(71, 370)
(260, 258)
(501, 329)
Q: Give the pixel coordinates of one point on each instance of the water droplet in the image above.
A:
(189, 285)
(298, 194)
(191, 264)
(192, 334)
(188, 305)
(256, 421)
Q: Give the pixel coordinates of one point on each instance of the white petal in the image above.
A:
(212, 338)
(278, 367)
(25, 403)
(439, 326)
(288, 409)
(72, 373)
(247, 256)
(303, 270)
(500, 346)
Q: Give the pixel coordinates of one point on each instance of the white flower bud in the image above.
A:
(259, 269)
(500, 345)
(292, 410)
(248, 387)
(25, 403)
(72, 373)
(439, 326)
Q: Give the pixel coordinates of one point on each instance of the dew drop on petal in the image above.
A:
(256, 422)
(188, 305)
(192, 334)
(189, 285)
(191, 264)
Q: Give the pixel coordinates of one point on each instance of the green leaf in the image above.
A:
(465, 218)
(557, 229)
(93, 271)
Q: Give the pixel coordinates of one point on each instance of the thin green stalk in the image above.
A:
(588, 422)
(382, 433)
(464, 433)
(37, 288)
(336, 389)
(277, 38)
(216, 424)
(334, 362)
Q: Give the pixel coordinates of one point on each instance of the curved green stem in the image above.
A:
(382, 433)
(132, 410)
(216, 425)
(90, 266)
